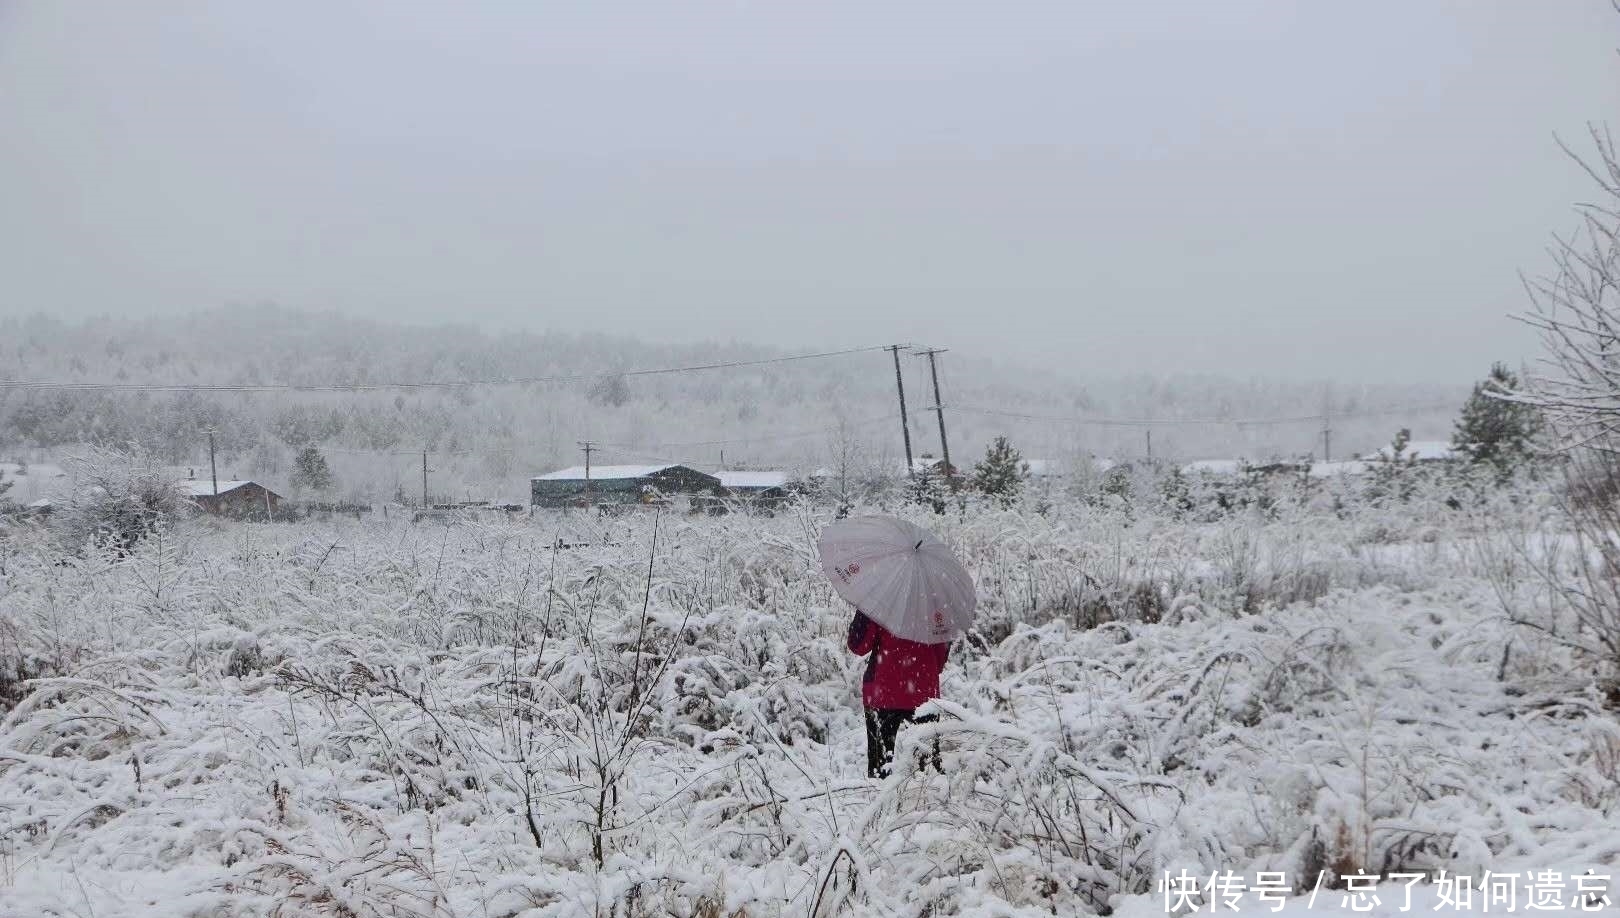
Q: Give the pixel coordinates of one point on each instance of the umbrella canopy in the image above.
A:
(900, 575)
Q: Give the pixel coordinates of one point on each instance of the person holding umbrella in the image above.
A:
(912, 598)
(901, 676)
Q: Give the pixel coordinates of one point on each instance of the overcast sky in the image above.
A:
(1255, 187)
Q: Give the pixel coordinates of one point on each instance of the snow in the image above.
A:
(1339, 468)
(752, 480)
(34, 481)
(603, 472)
(14, 472)
(1422, 450)
(1214, 467)
(375, 719)
(1042, 468)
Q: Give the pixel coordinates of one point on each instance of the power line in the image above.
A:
(1169, 422)
(769, 438)
(1131, 422)
(59, 386)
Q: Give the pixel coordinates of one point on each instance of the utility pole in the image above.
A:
(213, 469)
(588, 447)
(1327, 424)
(424, 480)
(900, 386)
(1150, 444)
(939, 413)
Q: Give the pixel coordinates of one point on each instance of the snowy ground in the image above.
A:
(362, 719)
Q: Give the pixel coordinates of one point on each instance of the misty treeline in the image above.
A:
(486, 440)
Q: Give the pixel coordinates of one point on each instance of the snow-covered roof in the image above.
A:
(603, 472)
(204, 487)
(1213, 467)
(926, 463)
(41, 504)
(1423, 450)
(753, 480)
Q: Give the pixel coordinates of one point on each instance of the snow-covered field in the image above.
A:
(369, 719)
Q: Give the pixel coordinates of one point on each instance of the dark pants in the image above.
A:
(882, 724)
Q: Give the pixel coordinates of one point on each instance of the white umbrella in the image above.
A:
(900, 575)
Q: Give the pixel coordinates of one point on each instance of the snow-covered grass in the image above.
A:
(370, 719)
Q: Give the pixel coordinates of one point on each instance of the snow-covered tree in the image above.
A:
(611, 392)
(1001, 472)
(1393, 473)
(310, 472)
(1494, 429)
(1576, 308)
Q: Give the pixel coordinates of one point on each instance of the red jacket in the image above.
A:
(900, 674)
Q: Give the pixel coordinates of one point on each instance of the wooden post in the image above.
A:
(939, 412)
(589, 447)
(1327, 424)
(213, 469)
(900, 387)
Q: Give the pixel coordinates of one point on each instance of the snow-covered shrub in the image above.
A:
(1583, 577)
(117, 499)
(377, 719)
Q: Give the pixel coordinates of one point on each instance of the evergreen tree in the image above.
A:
(931, 491)
(1394, 470)
(310, 471)
(1001, 472)
(4, 487)
(1494, 430)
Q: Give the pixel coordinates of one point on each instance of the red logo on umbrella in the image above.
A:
(939, 617)
(854, 568)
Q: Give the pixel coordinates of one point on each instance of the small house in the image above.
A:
(758, 490)
(926, 466)
(607, 485)
(1243, 468)
(236, 499)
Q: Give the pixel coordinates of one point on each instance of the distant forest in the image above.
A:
(486, 441)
